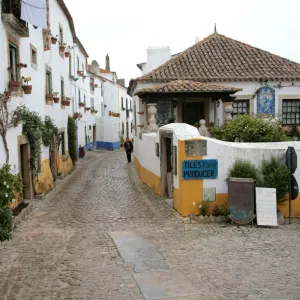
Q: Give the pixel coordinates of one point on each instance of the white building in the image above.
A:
(62, 86)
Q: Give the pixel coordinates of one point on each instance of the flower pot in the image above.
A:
(27, 89)
(49, 99)
(62, 49)
(81, 105)
(67, 103)
(20, 65)
(53, 40)
(67, 54)
(14, 85)
(79, 73)
(56, 99)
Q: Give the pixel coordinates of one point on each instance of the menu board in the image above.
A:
(266, 207)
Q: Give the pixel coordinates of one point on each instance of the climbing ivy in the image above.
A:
(37, 132)
(49, 130)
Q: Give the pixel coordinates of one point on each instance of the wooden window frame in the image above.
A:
(293, 104)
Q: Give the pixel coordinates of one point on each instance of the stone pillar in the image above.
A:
(216, 113)
(228, 109)
(203, 129)
(152, 110)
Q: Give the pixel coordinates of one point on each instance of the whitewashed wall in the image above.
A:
(226, 153)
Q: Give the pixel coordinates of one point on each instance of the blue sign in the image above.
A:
(200, 169)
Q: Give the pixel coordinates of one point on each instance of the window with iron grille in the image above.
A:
(13, 60)
(240, 107)
(291, 112)
(122, 100)
(48, 83)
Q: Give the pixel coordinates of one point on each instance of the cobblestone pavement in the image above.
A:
(62, 250)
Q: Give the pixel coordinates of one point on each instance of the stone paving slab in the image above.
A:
(133, 248)
(164, 285)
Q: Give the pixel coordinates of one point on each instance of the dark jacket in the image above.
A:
(128, 146)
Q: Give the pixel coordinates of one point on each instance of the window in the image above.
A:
(130, 104)
(122, 128)
(48, 83)
(33, 57)
(102, 88)
(63, 149)
(84, 99)
(60, 39)
(126, 104)
(70, 66)
(78, 63)
(240, 107)
(92, 103)
(131, 127)
(122, 101)
(102, 110)
(291, 112)
(79, 95)
(83, 68)
(62, 87)
(13, 60)
(92, 84)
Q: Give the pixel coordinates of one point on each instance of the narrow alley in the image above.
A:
(103, 235)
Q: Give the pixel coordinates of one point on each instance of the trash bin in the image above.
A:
(241, 199)
(81, 152)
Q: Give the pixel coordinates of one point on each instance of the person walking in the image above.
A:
(128, 146)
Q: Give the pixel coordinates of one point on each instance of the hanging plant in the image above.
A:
(54, 39)
(27, 88)
(77, 115)
(81, 104)
(55, 96)
(21, 65)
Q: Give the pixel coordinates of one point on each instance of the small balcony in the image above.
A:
(11, 13)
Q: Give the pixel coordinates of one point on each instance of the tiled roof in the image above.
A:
(219, 58)
(187, 86)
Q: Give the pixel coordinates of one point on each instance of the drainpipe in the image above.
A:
(76, 122)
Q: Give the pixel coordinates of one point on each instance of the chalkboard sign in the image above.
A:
(200, 169)
(266, 207)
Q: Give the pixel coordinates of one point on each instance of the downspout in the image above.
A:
(77, 146)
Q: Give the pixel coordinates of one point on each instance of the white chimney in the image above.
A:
(156, 56)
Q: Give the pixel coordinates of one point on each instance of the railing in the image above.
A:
(13, 7)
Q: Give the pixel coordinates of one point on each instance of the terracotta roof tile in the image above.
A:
(219, 58)
(187, 86)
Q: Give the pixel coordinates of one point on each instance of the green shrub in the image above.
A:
(6, 224)
(249, 129)
(220, 210)
(203, 208)
(9, 185)
(276, 175)
(72, 139)
(244, 169)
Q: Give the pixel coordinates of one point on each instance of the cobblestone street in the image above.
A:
(66, 248)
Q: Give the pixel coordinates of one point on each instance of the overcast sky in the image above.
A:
(124, 29)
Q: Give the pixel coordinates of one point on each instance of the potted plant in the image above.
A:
(81, 104)
(62, 47)
(14, 85)
(87, 108)
(67, 54)
(49, 99)
(27, 88)
(54, 39)
(21, 65)
(80, 73)
(67, 101)
(77, 115)
(55, 97)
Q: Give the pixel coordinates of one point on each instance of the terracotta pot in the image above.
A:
(53, 40)
(49, 99)
(56, 99)
(67, 54)
(27, 89)
(62, 49)
(14, 85)
(67, 103)
(82, 105)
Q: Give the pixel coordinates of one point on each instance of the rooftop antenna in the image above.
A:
(215, 28)
(197, 39)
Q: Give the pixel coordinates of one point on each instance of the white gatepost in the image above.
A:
(152, 110)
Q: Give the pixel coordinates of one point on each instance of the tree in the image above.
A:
(8, 119)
